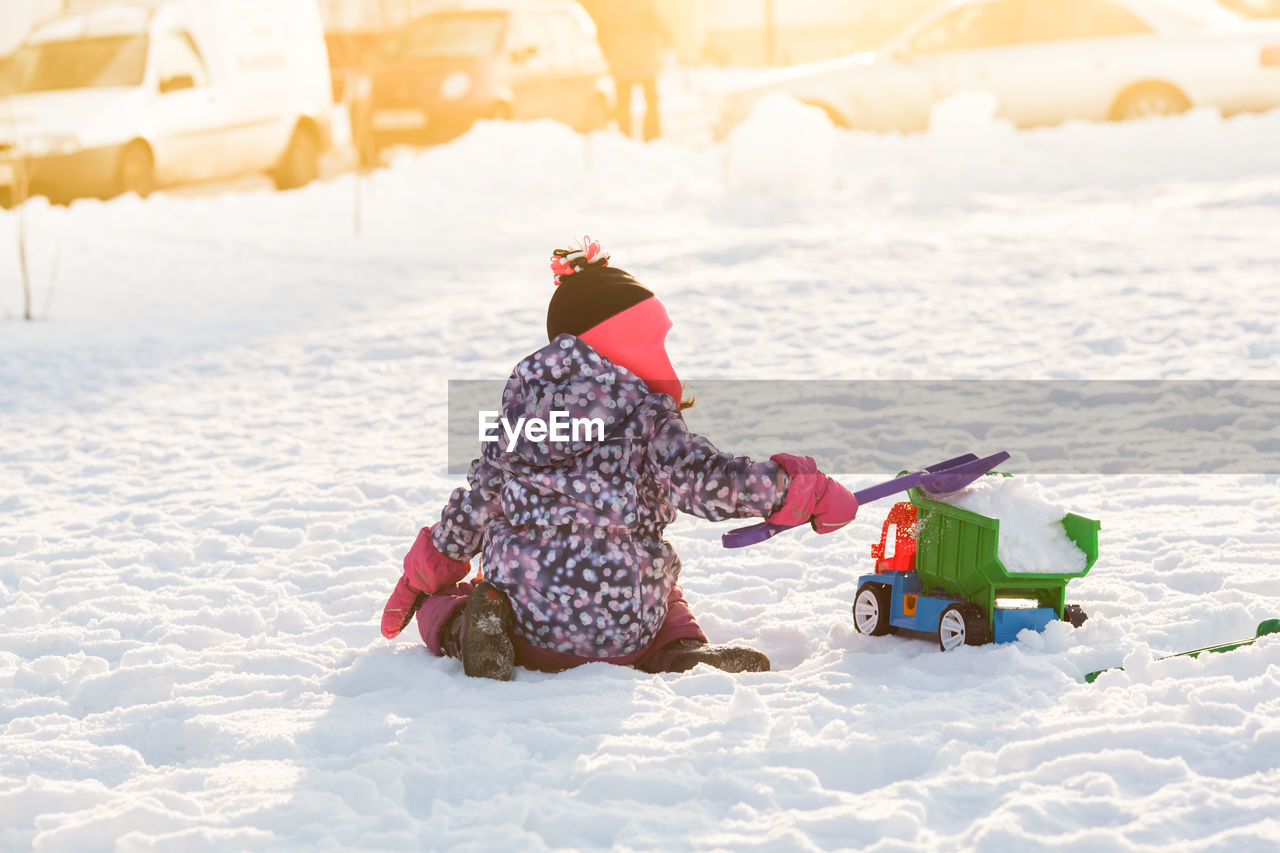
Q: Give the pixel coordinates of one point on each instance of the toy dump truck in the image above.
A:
(938, 572)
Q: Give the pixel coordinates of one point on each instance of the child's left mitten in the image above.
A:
(812, 496)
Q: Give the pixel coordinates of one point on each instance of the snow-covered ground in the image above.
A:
(218, 444)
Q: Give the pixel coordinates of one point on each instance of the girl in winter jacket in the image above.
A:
(570, 532)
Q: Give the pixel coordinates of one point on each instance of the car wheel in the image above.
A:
(1150, 101)
(300, 164)
(137, 170)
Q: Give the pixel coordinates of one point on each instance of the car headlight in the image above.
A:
(49, 144)
(455, 86)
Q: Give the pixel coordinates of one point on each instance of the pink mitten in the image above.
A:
(403, 603)
(813, 497)
(426, 570)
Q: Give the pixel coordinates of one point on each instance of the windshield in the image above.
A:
(115, 61)
(454, 35)
(981, 25)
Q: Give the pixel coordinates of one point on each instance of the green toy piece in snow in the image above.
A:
(1269, 626)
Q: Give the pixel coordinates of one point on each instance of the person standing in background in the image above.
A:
(634, 40)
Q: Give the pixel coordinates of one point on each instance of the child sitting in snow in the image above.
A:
(575, 567)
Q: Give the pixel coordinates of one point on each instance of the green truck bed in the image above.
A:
(956, 551)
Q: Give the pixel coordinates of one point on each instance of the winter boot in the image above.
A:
(487, 651)
(728, 658)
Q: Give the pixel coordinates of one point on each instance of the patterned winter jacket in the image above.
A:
(571, 531)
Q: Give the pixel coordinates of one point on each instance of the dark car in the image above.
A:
(489, 59)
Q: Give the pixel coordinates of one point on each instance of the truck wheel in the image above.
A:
(137, 170)
(1075, 614)
(961, 625)
(871, 610)
(300, 164)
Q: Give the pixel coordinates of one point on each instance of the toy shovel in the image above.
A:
(949, 476)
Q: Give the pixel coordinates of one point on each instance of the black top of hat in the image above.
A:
(589, 296)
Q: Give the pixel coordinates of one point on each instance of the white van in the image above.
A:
(130, 97)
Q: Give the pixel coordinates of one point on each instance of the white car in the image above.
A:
(1046, 61)
(129, 97)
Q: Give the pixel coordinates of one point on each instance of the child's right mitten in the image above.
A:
(812, 496)
(426, 570)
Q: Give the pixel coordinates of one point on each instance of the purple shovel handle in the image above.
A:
(753, 534)
(948, 476)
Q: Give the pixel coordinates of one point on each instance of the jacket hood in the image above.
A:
(579, 395)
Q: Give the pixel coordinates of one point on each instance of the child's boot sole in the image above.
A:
(726, 658)
(487, 651)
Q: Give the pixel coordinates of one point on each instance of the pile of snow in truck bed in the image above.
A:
(1032, 538)
(219, 445)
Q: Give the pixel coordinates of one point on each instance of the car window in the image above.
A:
(45, 66)
(448, 36)
(176, 56)
(1063, 20)
(533, 41)
(563, 39)
(1188, 14)
(525, 34)
(577, 41)
(1112, 19)
(993, 24)
(584, 30)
